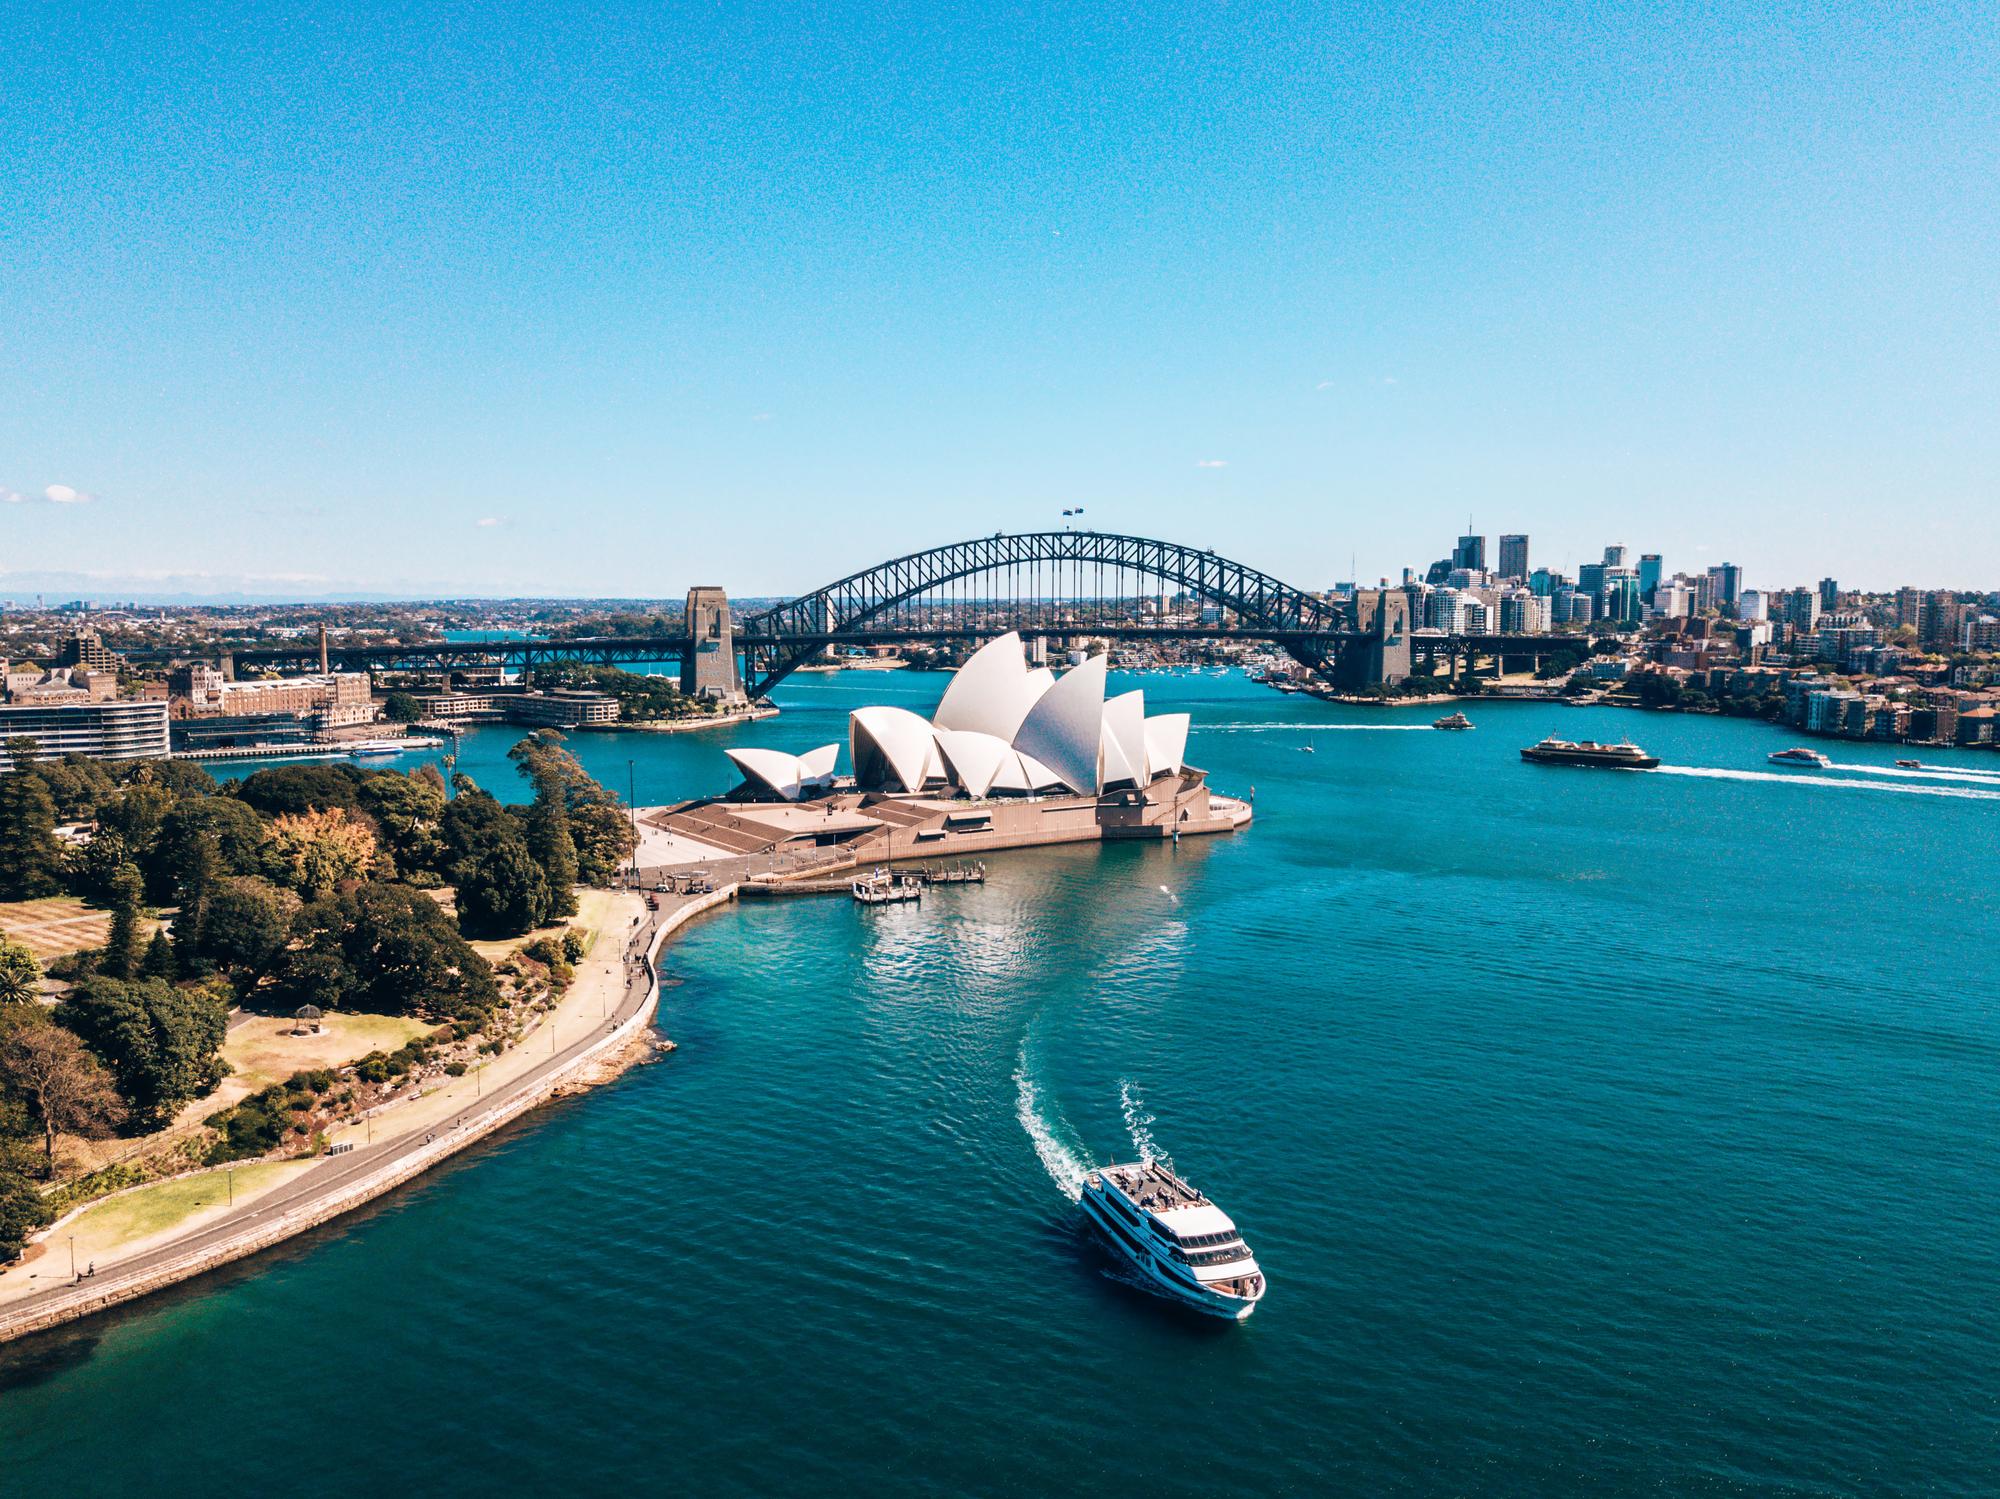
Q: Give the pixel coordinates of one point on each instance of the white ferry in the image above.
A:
(1798, 754)
(1184, 1245)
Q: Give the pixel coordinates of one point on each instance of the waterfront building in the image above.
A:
(1003, 728)
(563, 708)
(129, 729)
(1650, 569)
(1514, 557)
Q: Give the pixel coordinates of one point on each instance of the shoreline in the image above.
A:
(361, 1176)
(685, 725)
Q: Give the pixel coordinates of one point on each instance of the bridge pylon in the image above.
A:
(708, 670)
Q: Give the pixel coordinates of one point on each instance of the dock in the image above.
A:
(881, 888)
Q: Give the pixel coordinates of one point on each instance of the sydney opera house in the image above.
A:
(1013, 755)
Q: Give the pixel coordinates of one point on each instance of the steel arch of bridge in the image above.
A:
(786, 636)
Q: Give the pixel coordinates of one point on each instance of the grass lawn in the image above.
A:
(149, 1210)
(263, 1050)
(50, 928)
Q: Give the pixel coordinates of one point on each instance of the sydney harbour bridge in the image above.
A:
(1053, 585)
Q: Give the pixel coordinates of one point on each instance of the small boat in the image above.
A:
(1308, 748)
(1186, 1248)
(376, 752)
(1554, 751)
(1452, 721)
(1912, 765)
(1799, 755)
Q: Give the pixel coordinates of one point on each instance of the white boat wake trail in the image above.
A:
(1066, 1166)
(1139, 1123)
(1976, 777)
(1839, 783)
(1316, 728)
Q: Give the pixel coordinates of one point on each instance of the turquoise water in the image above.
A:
(1600, 1133)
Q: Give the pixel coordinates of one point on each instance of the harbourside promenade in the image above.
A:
(422, 1137)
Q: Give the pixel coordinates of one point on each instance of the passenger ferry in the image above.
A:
(1554, 751)
(1799, 755)
(1184, 1245)
(1452, 721)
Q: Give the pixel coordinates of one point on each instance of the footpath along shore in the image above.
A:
(603, 1018)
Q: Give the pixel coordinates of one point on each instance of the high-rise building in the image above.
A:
(1649, 575)
(1800, 609)
(1470, 554)
(1514, 557)
(1542, 582)
(1829, 595)
(1909, 607)
(1614, 556)
(1725, 584)
(1750, 605)
(1590, 579)
(1621, 595)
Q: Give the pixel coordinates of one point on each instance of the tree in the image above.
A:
(163, 1044)
(66, 1089)
(550, 845)
(301, 788)
(22, 1211)
(316, 851)
(159, 962)
(409, 811)
(123, 951)
(401, 707)
(502, 891)
(232, 833)
(79, 785)
(600, 830)
(136, 816)
(30, 861)
(245, 928)
(386, 948)
(19, 973)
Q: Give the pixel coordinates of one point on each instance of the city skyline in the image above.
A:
(400, 324)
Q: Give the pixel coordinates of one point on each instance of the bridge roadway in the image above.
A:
(611, 650)
(323, 1184)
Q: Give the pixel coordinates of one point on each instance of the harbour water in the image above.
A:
(1600, 1132)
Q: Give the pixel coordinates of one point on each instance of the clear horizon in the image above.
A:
(509, 304)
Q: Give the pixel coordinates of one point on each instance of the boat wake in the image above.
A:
(1315, 728)
(1843, 783)
(1067, 1167)
(1975, 777)
(1139, 1123)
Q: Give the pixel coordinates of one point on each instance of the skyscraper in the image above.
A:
(1614, 556)
(1470, 553)
(1513, 556)
(1829, 595)
(1725, 583)
(1649, 575)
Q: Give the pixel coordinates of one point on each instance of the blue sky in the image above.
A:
(519, 299)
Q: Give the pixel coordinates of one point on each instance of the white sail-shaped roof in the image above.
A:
(1065, 727)
(992, 692)
(1125, 739)
(1166, 742)
(974, 759)
(892, 747)
(784, 774)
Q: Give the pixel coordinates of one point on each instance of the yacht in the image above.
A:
(1554, 751)
(1798, 754)
(1185, 1246)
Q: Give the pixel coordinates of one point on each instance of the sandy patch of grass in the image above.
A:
(152, 1210)
(263, 1049)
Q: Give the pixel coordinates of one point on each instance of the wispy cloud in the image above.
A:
(491, 520)
(66, 494)
(761, 416)
(1211, 463)
(1324, 385)
(1389, 380)
(11, 496)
